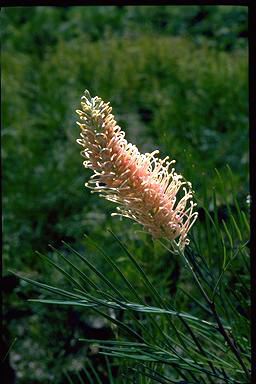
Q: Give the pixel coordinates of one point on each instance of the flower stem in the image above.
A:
(220, 328)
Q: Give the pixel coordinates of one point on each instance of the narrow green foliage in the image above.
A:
(207, 344)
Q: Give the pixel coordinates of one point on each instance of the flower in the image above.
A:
(142, 185)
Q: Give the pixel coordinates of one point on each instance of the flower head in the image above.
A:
(143, 186)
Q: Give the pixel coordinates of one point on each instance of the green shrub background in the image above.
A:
(177, 80)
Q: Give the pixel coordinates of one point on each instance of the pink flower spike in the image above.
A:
(141, 184)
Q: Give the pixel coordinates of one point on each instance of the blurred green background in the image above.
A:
(176, 77)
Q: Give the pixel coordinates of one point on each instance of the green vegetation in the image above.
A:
(177, 80)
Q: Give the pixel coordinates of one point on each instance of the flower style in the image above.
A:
(141, 184)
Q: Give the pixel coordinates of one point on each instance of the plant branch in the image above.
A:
(220, 328)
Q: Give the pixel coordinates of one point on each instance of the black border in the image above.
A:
(252, 165)
(65, 3)
(252, 115)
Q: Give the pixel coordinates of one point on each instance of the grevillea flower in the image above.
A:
(142, 185)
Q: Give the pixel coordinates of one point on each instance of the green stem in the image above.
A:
(220, 328)
(229, 341)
